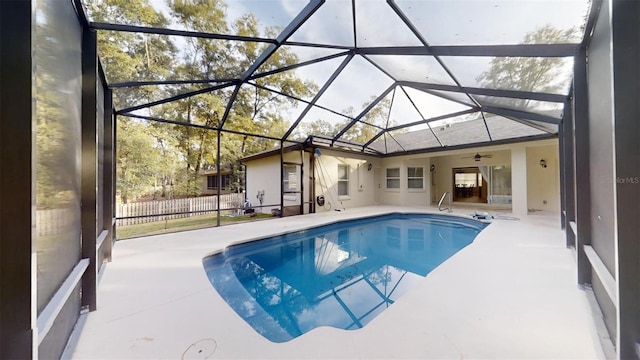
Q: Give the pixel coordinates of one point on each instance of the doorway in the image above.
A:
(469, 185)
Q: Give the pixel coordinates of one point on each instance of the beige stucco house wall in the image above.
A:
(263, 175)
(533, 187)
(543, 184)
(361, 180)
(404, 196)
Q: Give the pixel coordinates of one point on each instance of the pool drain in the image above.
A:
(202, 349)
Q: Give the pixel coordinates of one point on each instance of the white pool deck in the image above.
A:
(511, 294)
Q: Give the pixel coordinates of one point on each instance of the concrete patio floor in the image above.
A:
(511, 294)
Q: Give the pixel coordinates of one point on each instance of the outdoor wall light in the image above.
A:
(432, 168)
(543, 163)
(369, 166)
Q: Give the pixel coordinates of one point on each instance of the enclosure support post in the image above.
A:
(108, 191)
(18, 337)
(568, 185)
(626, 81)
(89, 166)
(582, 172)
(562, 176)
(114, 174)
(219, 185)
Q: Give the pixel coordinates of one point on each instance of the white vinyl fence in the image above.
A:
(203, 205)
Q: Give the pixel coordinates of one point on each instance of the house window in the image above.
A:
(415, 177)
(343, 180)
(393, 178)
(290, 178)
(212, 182)
(290, 182)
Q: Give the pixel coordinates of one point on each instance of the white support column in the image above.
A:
(519, 181)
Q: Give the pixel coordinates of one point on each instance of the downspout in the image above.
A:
(312, 180)
(281, 179)
(301, 179)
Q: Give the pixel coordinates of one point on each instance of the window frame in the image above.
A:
(387, 178)
(226, 181)
(409, 178)
(211, 179)
(286, 186)
(347, 181)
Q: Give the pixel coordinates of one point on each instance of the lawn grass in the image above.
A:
(190, 223)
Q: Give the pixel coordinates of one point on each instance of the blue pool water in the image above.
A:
(341, 275)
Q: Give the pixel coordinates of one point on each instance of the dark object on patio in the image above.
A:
(247, 208)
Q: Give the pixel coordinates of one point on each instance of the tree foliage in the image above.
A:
(365, 129)
(534, 74)
(57, 121)
(371, 123)
(183, 152)
(135, 168)
(132, 56)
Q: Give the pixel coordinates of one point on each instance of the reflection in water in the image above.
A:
(341, 275)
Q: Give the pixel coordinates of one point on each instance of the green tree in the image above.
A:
(201, 59)
(168, 163)
(534, 74)
(136, 57)
(136, 156)
(371, 123)
(186, 151)
(361, 132)
(255, 110)
(317, 127)
(132, 56)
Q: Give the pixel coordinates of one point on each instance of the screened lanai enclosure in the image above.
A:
(162, 99)
(355, 74)
(201, 85)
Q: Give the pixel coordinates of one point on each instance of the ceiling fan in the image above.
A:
(478, 157)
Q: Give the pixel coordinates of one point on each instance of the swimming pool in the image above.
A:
(341, 275)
